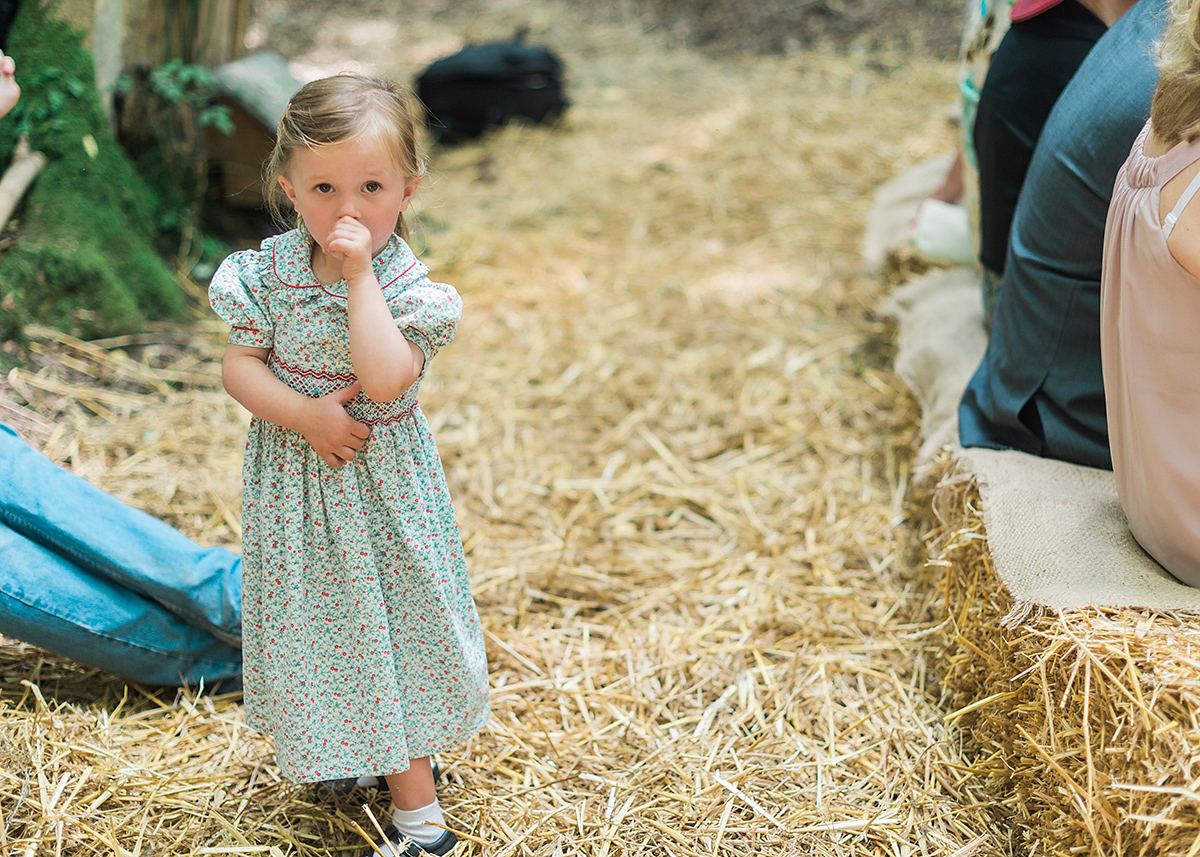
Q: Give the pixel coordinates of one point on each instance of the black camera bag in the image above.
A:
(483, 86)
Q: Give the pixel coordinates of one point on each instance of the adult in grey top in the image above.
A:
(1039, 387)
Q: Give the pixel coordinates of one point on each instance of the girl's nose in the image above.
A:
(348, 208)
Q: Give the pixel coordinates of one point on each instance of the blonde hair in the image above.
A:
(1175, 109)
(341, 109)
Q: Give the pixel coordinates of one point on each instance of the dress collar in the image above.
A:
(291, 262)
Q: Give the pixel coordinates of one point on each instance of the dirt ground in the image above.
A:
(929, 27)
(679, 456)
(723, 27)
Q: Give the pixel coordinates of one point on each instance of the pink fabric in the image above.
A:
(1023, 10)
(1150, 348)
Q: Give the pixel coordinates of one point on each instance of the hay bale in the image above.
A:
(1082, 725)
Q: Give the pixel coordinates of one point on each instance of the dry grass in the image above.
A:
(1083, 726)
(680, 462)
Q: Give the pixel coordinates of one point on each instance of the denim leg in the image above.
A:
(115, 544)
(47, 601)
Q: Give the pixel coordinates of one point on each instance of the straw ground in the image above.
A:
(680, 462)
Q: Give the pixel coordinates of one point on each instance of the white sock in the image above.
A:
(412, 823)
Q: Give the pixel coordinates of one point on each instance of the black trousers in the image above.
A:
(1032, 65)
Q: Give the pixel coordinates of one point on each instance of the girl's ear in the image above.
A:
(288, 189)
(409, 189)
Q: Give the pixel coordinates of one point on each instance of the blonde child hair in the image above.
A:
(1175, 110)
(341, 109)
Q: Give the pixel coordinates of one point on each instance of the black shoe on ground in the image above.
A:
(399, 845)
(330, 790)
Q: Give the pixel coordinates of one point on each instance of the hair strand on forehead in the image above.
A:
(342, 109)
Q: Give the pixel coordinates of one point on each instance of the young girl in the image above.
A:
(1150, 311)
(363, 649)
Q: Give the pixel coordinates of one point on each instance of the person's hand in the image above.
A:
(951, 188)
(9, 91)
(351, 242)
(331, 432)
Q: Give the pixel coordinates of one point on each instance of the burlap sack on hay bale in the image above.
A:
(1069, 658)
(894, 208)
(1055, 531)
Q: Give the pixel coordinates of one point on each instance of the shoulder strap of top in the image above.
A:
(1188, 193)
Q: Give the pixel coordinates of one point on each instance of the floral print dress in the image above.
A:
(362, 645)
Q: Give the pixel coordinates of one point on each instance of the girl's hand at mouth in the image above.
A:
(350, 242)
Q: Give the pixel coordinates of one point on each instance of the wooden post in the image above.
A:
(108, 49)
(166, 29)
(127, 33)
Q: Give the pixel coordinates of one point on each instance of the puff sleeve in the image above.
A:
(427, 313)
(239, 295)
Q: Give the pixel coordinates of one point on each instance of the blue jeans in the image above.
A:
(86, 576)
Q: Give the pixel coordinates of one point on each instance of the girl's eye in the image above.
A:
(373, 187)
(324, 188)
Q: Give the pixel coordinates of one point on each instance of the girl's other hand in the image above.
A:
(351, 241)
(331, 432)
(9, 91)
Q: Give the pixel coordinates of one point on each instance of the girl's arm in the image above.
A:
(323, 422)
(385, 362)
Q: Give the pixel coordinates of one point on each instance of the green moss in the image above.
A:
(85, 260)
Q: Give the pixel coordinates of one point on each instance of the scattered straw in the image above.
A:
(679, 458)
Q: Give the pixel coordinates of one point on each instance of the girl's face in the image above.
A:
(358, 179)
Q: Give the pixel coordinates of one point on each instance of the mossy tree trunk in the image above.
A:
(84, 258)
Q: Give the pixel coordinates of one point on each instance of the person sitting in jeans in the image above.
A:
(85, 576)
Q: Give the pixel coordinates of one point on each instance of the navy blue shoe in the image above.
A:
(396, 844)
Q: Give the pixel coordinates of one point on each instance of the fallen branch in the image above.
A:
(25, 166)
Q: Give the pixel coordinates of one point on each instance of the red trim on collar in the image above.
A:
(317, 284)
